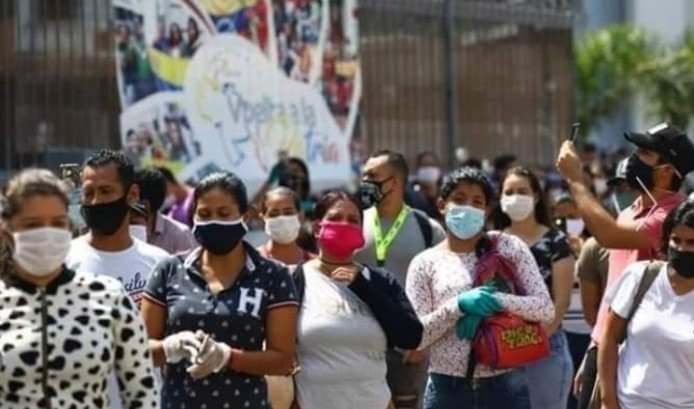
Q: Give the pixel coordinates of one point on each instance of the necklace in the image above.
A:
(327, 267)
(330, 263)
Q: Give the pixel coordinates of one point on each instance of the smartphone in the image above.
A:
(560, 223)
(575, 128)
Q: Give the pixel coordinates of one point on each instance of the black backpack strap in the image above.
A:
(299, 283)
(649, 275)
(424, 227)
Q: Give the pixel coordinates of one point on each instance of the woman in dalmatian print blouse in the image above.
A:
(222, 316)
(62, 334)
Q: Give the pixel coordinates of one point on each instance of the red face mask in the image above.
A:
(340, 239)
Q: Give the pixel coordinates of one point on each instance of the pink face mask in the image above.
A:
(340, 239)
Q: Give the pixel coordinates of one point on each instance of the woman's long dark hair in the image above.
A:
(681, 215)
(476, 177)
(329, 199)
(302, 186)
(501, 219)
(225, 181)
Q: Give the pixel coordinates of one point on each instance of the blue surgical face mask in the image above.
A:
(464, 221)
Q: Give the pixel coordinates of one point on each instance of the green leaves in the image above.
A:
(619, 62)
(608, 65)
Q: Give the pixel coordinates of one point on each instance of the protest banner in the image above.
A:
(230, 84)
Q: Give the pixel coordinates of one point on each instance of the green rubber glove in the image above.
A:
(466, 327)
(479, 301)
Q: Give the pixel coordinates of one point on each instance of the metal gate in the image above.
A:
(493, 76)
(56, 80)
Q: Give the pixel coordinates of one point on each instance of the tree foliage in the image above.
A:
(608, 65)
(622, 61)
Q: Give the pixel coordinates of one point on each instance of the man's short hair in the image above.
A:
(395, 160)
(152, 187)
(105, 157)
(168, 174)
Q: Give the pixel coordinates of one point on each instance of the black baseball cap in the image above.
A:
(672, 144)
(620, 174)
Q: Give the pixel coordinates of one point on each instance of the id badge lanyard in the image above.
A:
(384, 241)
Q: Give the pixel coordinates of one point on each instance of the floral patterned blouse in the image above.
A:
(435, 279)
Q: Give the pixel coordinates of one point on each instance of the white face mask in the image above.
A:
(283, 229)
(168, 202)
(41, 251)
(138, 231)
(600, 186)
(575, 227)
(428, 174)
(517, 207)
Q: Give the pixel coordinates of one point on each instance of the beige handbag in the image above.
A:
(280, 390)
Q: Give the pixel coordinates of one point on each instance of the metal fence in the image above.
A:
(56, 80)
(493, 76)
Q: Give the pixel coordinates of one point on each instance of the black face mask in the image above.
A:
(297, 183)
(637, 169)
(219, 237)
(371, 193)
(682, 262)
(105, 218)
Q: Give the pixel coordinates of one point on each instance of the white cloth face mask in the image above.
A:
(575, 227)
(41, 251)
(283, 229)
(138, 231)
(518, 207)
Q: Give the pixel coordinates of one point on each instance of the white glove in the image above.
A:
(181, 345)
(212, 358)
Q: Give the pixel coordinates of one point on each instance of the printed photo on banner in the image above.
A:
(174, 31)
(157, 132)
(301, 29)
(134, 72)
(317, 42)
(231, 84)
(250, 111)
(251, 19)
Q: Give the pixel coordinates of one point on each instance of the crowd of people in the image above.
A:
(174, 43)
(137, 78)
(507, 287)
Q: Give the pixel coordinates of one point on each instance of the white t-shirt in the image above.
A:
(341, 349)
(131, 267)
(656, 363)
(574, 320)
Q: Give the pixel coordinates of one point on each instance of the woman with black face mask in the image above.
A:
(652, 314)
(222, 316)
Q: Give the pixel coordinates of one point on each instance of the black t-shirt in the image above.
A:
(235, 316)
(552, 247)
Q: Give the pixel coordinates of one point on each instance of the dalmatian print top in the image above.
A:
(88, 327)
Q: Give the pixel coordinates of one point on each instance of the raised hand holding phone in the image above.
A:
(568, 162)
(575, 128)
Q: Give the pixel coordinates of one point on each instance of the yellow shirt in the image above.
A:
(225, 7)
